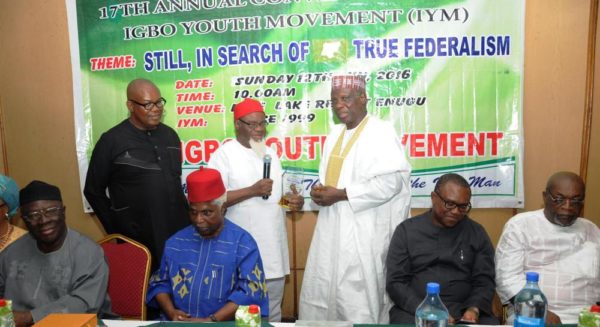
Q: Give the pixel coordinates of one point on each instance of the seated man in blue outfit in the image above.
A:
(443, 245)
(212, 266)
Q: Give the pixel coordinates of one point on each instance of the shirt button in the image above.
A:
(156, 146)
(158, 158)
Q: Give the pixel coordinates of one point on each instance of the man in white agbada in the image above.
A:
(365, 195)
(562, 248)
(240, 162)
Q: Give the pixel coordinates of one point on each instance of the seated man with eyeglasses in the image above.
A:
(558, 244)
(53, 269)
(443, 245)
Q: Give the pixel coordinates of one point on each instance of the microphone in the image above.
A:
(266, 170)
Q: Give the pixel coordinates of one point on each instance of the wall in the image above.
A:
(36, 98)
(592, 208)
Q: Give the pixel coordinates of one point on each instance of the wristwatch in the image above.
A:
(212, 317)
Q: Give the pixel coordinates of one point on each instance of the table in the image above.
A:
(136, 323)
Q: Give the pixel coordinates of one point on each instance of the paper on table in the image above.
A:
(314, 323)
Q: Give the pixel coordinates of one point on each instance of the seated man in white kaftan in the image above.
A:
(211, 267)
(558, 244)
(364, 196)
(252, 201)
(52, 269)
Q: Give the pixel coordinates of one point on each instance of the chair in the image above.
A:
(129, 268)
(498, 309)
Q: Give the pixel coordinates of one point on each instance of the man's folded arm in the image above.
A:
(251, 285)
(87, 295)
(399, 274)
(375, 191)
(483, 277)
(510, 257)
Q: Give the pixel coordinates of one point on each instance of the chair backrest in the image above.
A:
(129, 267)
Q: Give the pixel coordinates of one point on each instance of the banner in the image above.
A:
(448, 74)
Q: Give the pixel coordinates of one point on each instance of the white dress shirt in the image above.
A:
(567, 259)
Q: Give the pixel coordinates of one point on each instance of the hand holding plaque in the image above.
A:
(292, 190)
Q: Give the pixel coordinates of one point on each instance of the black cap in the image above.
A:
(38, 190)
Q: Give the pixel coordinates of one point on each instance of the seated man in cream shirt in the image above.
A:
(558, 244)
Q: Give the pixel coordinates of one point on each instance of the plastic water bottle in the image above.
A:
(432, 312)
(530, 303)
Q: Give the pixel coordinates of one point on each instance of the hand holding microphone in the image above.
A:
(267, 172)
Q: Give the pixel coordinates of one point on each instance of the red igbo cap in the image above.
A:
(246, 107)
(348, 82)
(205, 184)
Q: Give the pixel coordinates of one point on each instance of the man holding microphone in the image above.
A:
(252, 175)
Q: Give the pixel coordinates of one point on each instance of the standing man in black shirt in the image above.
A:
(139, 161)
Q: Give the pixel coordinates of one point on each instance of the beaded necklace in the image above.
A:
(4, 238)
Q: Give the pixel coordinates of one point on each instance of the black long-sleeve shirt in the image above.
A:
(142, 171)
(460, 259)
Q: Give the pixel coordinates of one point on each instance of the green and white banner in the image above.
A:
(447, 73)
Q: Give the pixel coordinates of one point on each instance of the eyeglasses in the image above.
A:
(559, 200)
(36, 216)
(255, 125)
(465, 207)
(160, 104)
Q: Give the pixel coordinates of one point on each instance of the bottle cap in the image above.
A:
(595, 308)
(433, 288)
(253, 309)
(532, 276)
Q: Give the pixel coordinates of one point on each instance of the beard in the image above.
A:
(259, 147)
(563, 220)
